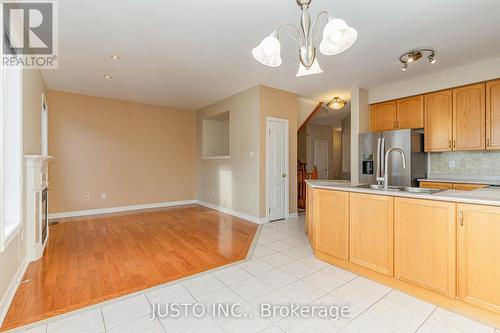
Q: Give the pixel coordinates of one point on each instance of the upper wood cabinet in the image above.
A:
(410, 112)
(493, 115)
(371, 232)
(438, 119)
(425, 244)
(384, 116)
(331, 223)
(479, 256)
(469, 113)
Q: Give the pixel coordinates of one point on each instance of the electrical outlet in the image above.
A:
(250, 155)
(87, 197)
(452, 164)
(104, 195)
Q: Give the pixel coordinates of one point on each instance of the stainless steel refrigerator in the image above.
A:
(372, 148)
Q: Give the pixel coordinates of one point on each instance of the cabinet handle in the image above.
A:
(454, 143)
(395, 125)
(449, 144)
(487, 142)
(461, 218)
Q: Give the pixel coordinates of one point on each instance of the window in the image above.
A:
(11, 154)
(216, 136)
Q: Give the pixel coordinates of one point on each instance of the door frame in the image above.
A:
(327, 155)
(287, 168)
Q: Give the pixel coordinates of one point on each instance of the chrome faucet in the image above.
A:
(385, 179)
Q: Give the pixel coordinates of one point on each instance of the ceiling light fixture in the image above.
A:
(337, 37)
(415, 55)
(114, 56)
(107, 76)
(336, 103)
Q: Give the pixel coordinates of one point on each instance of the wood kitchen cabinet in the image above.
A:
(493, 115)
(309, 214)
(438, 121)
(384, 116)
(479, 256)
(425, 244)
(331, 221)
(371, 232)
(469, 112)
(410, 112)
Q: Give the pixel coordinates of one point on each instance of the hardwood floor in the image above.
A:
(93, 259)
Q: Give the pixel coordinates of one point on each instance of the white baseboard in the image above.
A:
(244, 216)
(293, 215)
(11, 291)
(97, 211)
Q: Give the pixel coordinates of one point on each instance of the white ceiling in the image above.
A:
(192, 53)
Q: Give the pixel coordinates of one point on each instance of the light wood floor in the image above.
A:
(93, 259)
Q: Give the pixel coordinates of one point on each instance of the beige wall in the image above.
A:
(14, 255)
(136, 153)
(232, 183)
(306, 107)
(279, 104)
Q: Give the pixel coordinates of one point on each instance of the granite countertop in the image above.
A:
(484, 196)
(462, 180)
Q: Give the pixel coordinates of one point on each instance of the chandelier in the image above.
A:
(415, 55)
(337, 37)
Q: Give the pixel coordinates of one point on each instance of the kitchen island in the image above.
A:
(443, 247)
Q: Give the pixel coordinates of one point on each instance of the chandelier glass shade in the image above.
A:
(336, 103)
(337, 37)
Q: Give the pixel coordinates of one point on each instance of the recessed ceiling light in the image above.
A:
(107, 76)
(115, 56)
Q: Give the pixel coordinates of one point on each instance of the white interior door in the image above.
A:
(321, 158)
(277, 168)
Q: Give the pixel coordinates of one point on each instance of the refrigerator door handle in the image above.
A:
(379, 161)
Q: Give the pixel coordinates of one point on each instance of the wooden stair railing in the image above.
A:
(302, 176)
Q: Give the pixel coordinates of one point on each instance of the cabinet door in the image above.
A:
(410, 112)
(438, 121)
(468, 187)
(371, 232)
(439, 186)
(469, 112)
(384, 116)
(424, 244)
(479, 256)
(331, 224)
(493, 115)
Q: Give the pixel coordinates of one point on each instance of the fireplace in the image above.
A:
(37, 205)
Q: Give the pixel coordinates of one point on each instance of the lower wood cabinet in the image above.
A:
(331, 223)
(371, 232)
(479, 256)
(425, 244)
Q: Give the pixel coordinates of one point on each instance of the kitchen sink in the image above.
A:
(416, 190)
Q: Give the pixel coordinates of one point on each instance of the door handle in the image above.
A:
(283, 175)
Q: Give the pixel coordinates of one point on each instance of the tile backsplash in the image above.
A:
(474, 163)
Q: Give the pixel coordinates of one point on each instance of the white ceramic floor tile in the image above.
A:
(203, 284)
(175, 293)
(324, 280)
(272, 329)
(460, 322)
(266, 239)
(299, 252)
(298, 269)
(143, 325)
(279, 245)
(398, 315)
(340, 273)
(369, 324)
(301, 292)
(369, 285)
(355, 296)
(85, 322)
(232, 275)
(251, 289)
(190, 323)
(302, 325)
(37, 329)
(262, 250)
(435, 326)
(410, 302)
(277, 259)
(256, 266)
(277, 278)
(249, 322)
(316, 263)
(273, 298)
(125, 311)
(220, 296)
